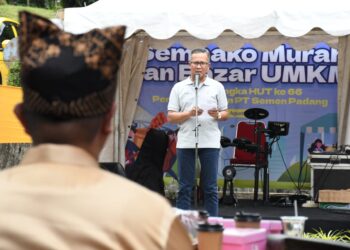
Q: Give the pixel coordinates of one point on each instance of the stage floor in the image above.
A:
(324, 219)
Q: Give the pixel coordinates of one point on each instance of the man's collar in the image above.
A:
(60, 154)
(190, 82)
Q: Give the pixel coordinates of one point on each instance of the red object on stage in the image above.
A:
(252, 152)
(246, 153)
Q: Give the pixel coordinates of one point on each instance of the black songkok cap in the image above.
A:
(67, 76)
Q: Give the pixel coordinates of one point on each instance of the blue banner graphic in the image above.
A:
(299, 87)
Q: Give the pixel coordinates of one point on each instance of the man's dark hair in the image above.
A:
(44, 129)
(200, 51)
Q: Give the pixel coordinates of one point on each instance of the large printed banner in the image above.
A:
(299, 87)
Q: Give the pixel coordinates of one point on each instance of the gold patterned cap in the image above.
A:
(67, 76)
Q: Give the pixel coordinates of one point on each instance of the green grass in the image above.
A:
(11, 11)
(294, 172)
(285, 185)
(282, 183)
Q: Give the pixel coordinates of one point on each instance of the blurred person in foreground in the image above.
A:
(58, 197)
(212, 107)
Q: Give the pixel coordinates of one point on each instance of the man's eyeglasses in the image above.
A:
(199, 63)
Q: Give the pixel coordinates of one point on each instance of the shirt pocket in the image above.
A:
(208, 100)
(187, 101)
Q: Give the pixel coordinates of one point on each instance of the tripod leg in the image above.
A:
(224, 190)
(232, 195)
(256, 182)
(265, 184)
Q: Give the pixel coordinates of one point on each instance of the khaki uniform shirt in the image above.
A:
(59, 198)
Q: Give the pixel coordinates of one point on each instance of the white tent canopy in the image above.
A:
(249, 19)
(229, 24)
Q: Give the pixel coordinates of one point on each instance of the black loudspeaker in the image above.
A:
(229, 172)
(330, 179)
(278, 128)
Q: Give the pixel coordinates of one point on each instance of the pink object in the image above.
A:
(272, 226)
(215, 220)
(244, 239)
(229, 223)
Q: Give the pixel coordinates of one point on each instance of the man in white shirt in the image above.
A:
(212, 107)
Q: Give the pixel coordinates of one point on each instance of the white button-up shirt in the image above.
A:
(211, 95)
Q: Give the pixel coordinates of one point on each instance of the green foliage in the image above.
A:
(35, 3)
(68, 3)
(337, 235)
(3, 2)
(76, 3)
(11, 11)
(14, 76)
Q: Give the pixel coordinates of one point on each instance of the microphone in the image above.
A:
(196, 80)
